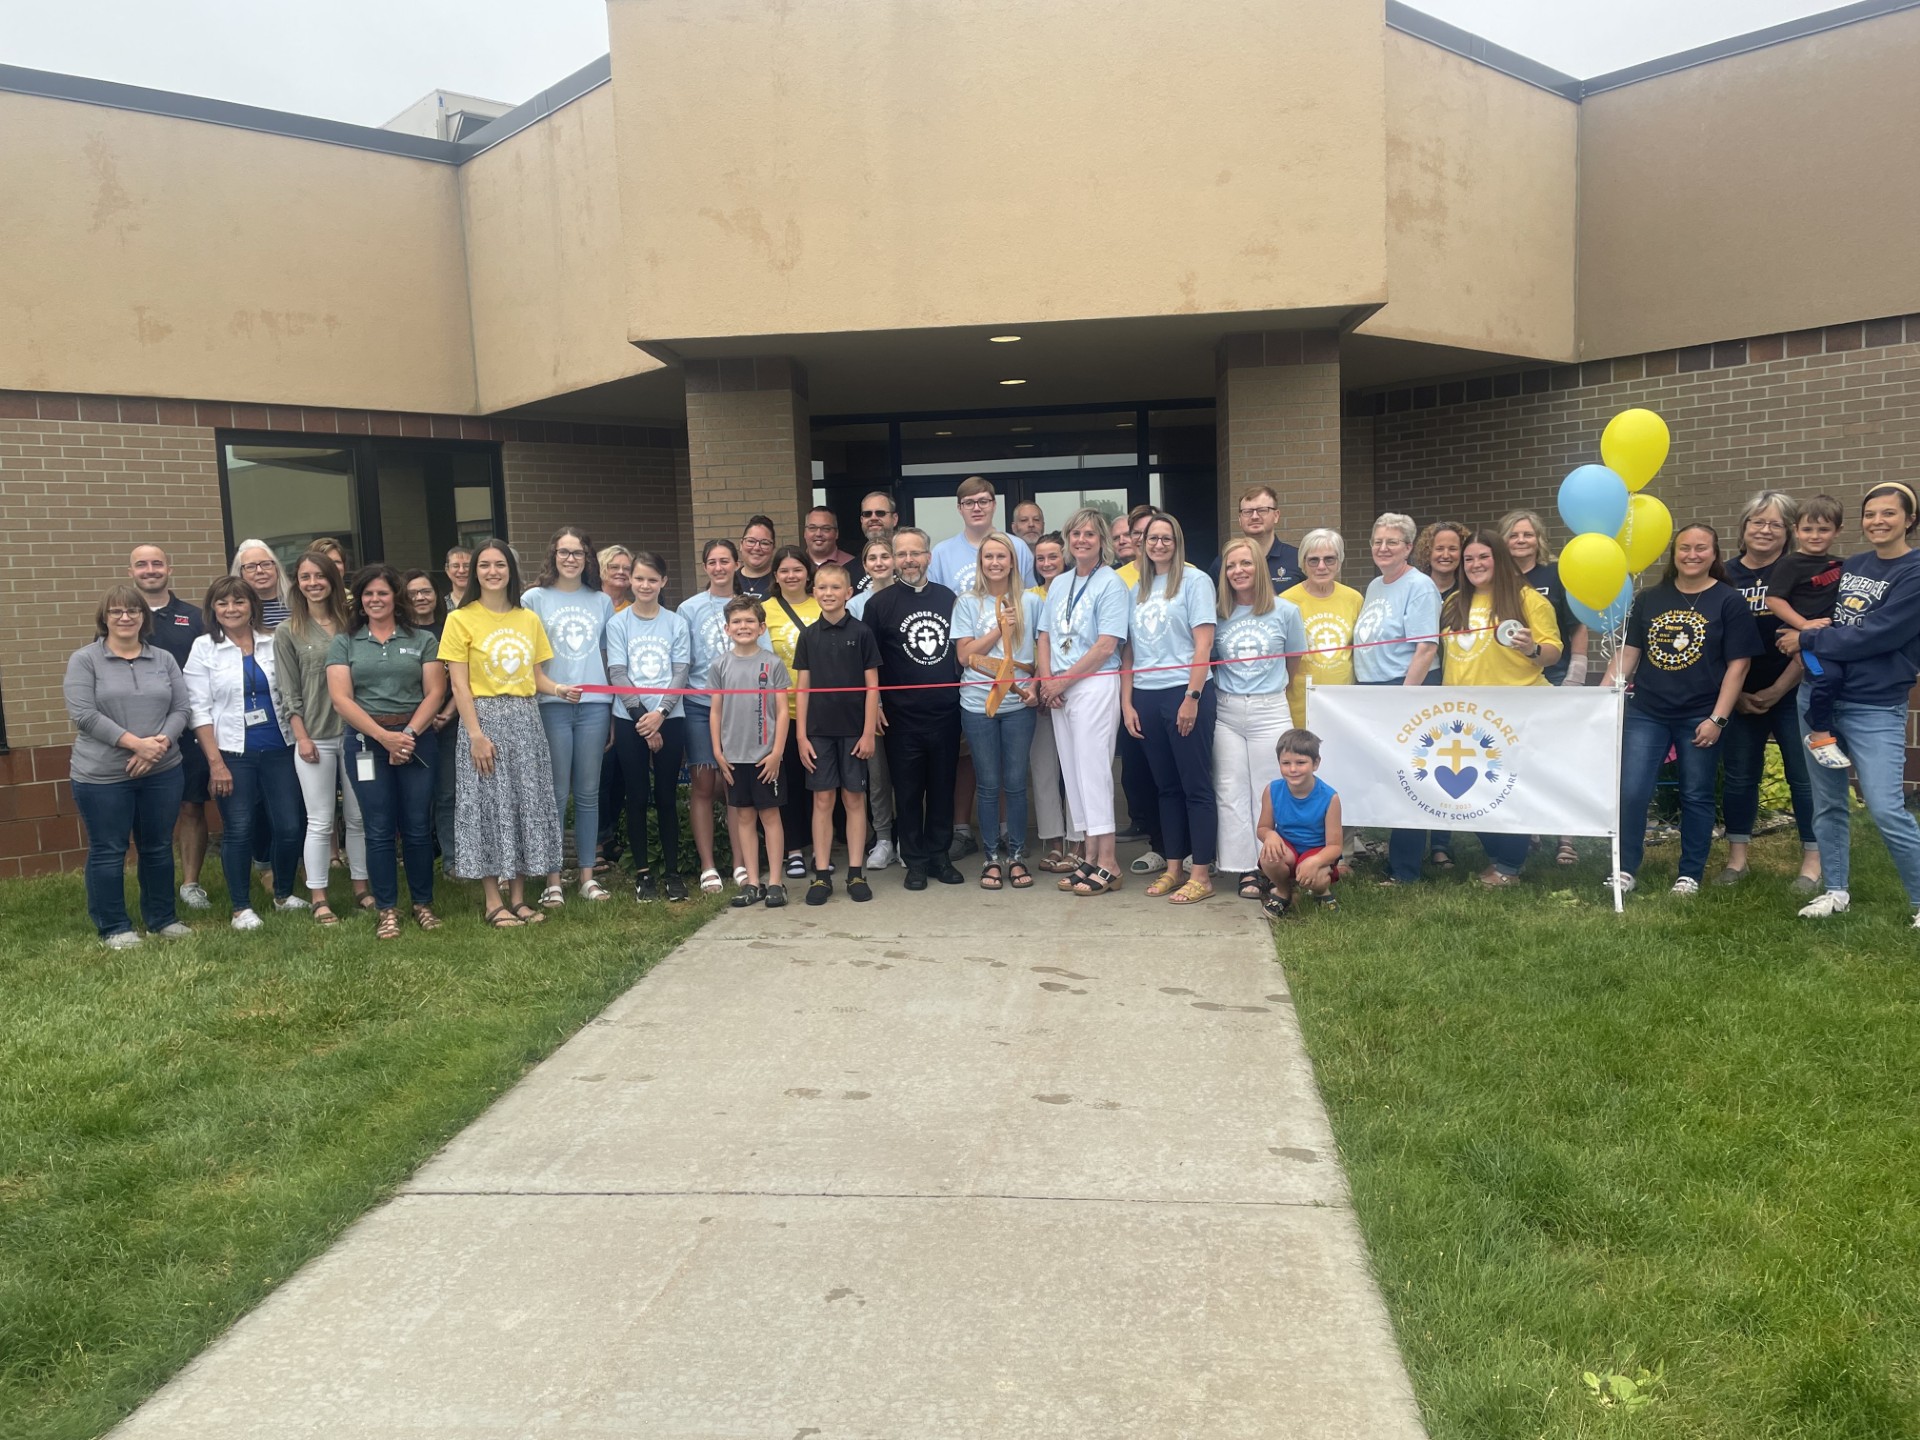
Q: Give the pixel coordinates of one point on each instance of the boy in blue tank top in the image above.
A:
(1299, 828)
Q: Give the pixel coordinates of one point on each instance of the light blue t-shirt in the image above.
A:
(1162, 629)
(1079, 610)
(651, 650)
(1409, 606)
(576, 622)
(975, 615)
(857, 606)
(706, 619)
(955, 559)
(1244, 634)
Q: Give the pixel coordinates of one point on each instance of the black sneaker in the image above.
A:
(1276, 907)
(643, 888)
(676, 888)
(820, 891)
(746, 895)
(858, 889)
(916, 879)
(776, 896)
(947, 875)
(1329, 903)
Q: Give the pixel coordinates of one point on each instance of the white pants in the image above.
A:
(1244, 765)
(318, 783)
(1051, 813)
(1083, 729)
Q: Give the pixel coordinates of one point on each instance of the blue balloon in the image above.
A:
(1593, 501)
(1611, 618)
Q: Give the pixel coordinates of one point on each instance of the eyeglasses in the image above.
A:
(1765, 525)
(823, 529)
(875, 514)
(973, 502)
(1247, 510)
(1159, 540)
(569, 554)
(115, 613)
(258, 565)
(1320, 560)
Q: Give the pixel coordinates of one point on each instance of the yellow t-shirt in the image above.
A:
(1476, 657)
(1129, 574)
(1329, 624)
(783, 634)
(499, 650)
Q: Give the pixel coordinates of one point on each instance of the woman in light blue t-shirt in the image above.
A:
(705, 615)
(994, 619)
(1168, 700)
(570, 605)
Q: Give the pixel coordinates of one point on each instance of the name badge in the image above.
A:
(363, 766)
(256, 717)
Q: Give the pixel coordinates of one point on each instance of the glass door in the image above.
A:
(1059, 462)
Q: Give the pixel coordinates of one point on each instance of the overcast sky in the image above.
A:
(365, 60)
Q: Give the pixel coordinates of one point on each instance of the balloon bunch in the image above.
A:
(1617, 531)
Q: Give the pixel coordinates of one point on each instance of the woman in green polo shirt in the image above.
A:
(385, 683)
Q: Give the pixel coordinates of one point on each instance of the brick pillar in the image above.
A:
(1279, 424)
(749, 448)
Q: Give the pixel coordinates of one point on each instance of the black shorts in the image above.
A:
(749, 792)
(193, 765)
(835, 766)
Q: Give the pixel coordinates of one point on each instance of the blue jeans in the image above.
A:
(1506, 853)
(1875, 737)
(1643, 750)
(577, 739)
(146, 809)
(1745, 744)
(1002, 747)
(1182, 770)
(1406, 849)
(261, 779)
(444, 773)
(399, 799)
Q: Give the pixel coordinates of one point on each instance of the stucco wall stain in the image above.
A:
(781, 255)
(148, 327)
(113, 206)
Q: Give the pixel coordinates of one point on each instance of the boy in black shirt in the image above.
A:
(1800, 596)
(838, 655)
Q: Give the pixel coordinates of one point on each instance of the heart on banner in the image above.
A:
(1456, 782)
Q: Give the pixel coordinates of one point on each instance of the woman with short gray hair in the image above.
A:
(1396, 639)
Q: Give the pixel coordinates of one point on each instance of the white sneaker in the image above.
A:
(1916, 919)
(175, 931)
(292, 902)
(1834, 902)
(1149, 863)
(1830, 756)
(193, 895)
(124, 940)
(1685, 885)
(881, 855)
(246, 920)
(1620, 881)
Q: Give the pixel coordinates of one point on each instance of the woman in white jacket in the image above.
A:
(236, 718)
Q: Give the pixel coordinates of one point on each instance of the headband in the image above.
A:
(1895, 485)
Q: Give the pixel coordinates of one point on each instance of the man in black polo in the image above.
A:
(176, 625)
(912, 621)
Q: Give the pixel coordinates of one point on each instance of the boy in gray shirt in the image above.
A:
(749, 737)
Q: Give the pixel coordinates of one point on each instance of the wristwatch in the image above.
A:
(1719, 720)
(1534, 654)
(410, 732)
(1193, 694)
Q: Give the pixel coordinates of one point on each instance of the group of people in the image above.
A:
(916, 693)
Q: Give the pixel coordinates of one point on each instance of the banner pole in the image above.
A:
(1620, 736)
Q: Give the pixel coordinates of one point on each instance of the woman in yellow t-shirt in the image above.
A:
(790, 609)
(1491, 594)
(505, 819)
(1329, 610)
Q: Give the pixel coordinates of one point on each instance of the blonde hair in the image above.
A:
(1088, 518)
(1016, 629)
(1544, 555)
(1262, 581)
(1176, 568)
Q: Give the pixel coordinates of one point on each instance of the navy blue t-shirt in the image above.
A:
(176, 625)
(1686, 643)
(1875, 630)
(1755, 583)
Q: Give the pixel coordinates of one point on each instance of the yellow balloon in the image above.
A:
(1593, 568)
(1645, 535)
(1634, 446)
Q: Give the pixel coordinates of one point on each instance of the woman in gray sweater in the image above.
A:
(129, 708)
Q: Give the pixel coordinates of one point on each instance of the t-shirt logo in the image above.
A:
(572, 631)
(1676, 639)
(963, 577)
(649, 660)
(1468, 643)
(1327, 633)
(925, 633)
(713, 630)
(1242, 639)
(1150, 619)
(1372, 624)
(505, 656)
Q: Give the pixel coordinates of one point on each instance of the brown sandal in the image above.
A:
(424, 917)
(501, 918)
(991, 876)
(1018, 876)
(323, 914)
(527, 915)
(389, 926)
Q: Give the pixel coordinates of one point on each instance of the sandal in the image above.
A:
(1018, 876)
(528, 915)
(389, 926)
(1165, 885)
(363, 900)
(1276, 907)
(323, 914)
(1566, 854)
(1191, 893)
(594, 890)
(501, 918)
(1442, 857)
(991, 876)
(552, 898)
(1495, 879)
(1057, 862)
(424, 917)
(1250, 886)
(603, 866)
(1074, 876)
(709, 882)
(1098, 881)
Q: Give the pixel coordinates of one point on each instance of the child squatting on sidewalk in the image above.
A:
(1299, 828)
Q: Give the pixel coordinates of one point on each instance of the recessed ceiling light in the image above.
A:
(1023, 445)
(1020, 429)
(943, 432)
(1013, 382)
(1124, 425)
(1002, 339)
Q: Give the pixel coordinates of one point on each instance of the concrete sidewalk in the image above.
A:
(949, 1164)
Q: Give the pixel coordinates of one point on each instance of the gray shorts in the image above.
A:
(835, 766)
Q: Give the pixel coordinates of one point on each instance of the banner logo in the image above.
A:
(1456, 765)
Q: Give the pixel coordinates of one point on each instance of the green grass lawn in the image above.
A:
(183, 1125)
(1681, 1142)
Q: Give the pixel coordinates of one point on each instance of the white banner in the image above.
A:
(1528, 759)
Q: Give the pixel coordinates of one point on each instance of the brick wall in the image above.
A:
(625, 495)
(749, 445)
(1280, 425)
(39, 827)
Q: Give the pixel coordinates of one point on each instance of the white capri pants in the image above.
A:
(1052, 814)
(1083, 729)
(318, 784)
(1246, 729)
